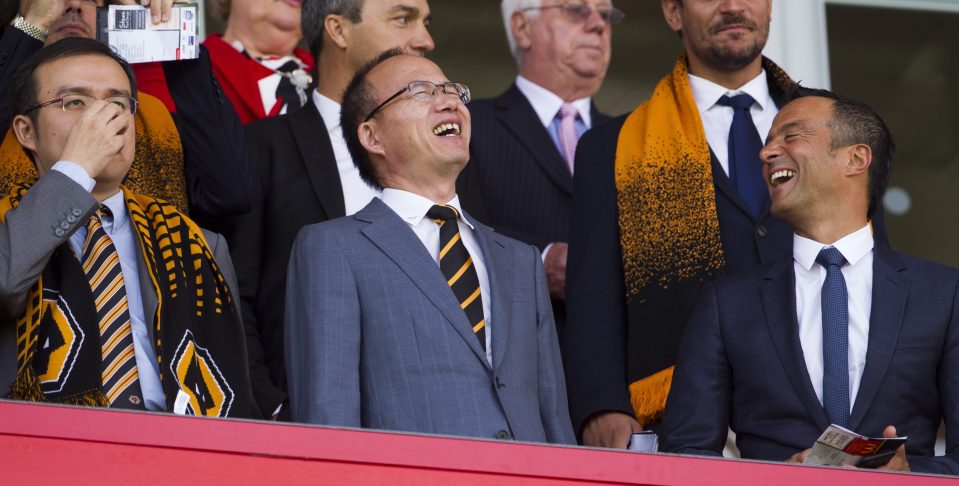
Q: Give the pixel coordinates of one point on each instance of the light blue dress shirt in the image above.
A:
(120, 230)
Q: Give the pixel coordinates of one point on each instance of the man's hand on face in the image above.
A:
(159, 9)
(555, 264)
(610, 429)
(41, 13)
(97, 136)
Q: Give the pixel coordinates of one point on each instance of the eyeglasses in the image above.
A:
(426, 91)
(580, 12)
(77, 103)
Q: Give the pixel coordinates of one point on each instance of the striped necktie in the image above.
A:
(457, 266)
(101, 264)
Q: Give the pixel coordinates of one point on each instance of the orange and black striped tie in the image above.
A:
(101, 264)
(457, 266)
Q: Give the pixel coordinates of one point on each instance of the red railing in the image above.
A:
(42, 444)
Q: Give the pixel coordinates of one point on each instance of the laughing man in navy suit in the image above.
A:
(846, 331)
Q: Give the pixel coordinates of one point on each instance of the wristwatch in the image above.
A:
(27, 28)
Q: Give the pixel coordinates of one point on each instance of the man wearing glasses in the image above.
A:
(108, 298)
(410, 315)
(520, 176)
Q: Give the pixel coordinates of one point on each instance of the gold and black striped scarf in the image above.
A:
(669, 229)
(199, 341)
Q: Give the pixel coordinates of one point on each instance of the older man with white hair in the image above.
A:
(520, 175)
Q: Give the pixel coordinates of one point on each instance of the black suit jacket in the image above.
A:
(741, 364)
(301, 185)
(517, 181)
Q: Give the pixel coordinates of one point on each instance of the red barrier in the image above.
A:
(43, 444)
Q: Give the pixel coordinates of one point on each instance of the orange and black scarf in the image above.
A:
(199, 341)
(669, 229)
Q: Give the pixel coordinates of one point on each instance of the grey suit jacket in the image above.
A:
(375, 338)
(49, 213)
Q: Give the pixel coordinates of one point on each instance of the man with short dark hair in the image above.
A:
(844, 332)
(107, 297)
(193, 158)
(672, 196)
(306, 168)
(409, 315)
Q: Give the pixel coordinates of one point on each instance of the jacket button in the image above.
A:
(59, 232)
(76, 212)
(64, 225)
(71, 218)
(761, 230)
(502, 435)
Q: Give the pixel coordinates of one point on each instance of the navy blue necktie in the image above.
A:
(745, 167)
(835, 338)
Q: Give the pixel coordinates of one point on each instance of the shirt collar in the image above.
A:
(707, 93)
(412, 207)
(853, 247)
(118, 208)
(329, 110)
(546, 104)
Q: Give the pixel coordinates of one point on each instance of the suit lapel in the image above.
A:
(499, 270)
(316, 152)
(724, 185)
(890, 288)
(395, 238)
(779, 304)
(516, 113)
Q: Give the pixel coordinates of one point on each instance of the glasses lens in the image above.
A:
(76, 102)
(577, 11)
(422, 90)
(123, 102)
(612, 16)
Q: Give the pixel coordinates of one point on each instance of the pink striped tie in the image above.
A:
(567, 132)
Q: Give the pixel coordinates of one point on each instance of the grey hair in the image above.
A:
(314, 12)
(510, 6)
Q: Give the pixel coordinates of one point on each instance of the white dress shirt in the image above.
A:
(120, 230)
(718, 118)
(356, 193)
(857, 248)
(412, 208)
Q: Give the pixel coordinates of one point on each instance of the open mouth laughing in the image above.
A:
(447, 129)
(780, 177)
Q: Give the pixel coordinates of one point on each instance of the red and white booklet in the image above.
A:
(838, 446)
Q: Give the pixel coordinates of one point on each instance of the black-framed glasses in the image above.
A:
(77, 103)
(426, 91)
(580, 12)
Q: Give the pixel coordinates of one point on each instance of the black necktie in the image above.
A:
(457, 266)
(745, 167)
(287, 91)
(835, 338)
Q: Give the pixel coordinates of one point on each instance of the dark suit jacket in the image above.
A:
(596, 339)
(301, 185)
(516, 180)
(741, 364)
(219, 175)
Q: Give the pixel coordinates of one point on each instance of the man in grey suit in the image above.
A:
(107, 298)
(409, 315)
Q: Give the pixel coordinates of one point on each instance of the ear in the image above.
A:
(26, 133)
(859, 159)
(369, 139)
(336, 30)
(672, 12)
(521, 28)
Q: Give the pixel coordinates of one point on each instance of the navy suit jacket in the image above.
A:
(741, 364)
